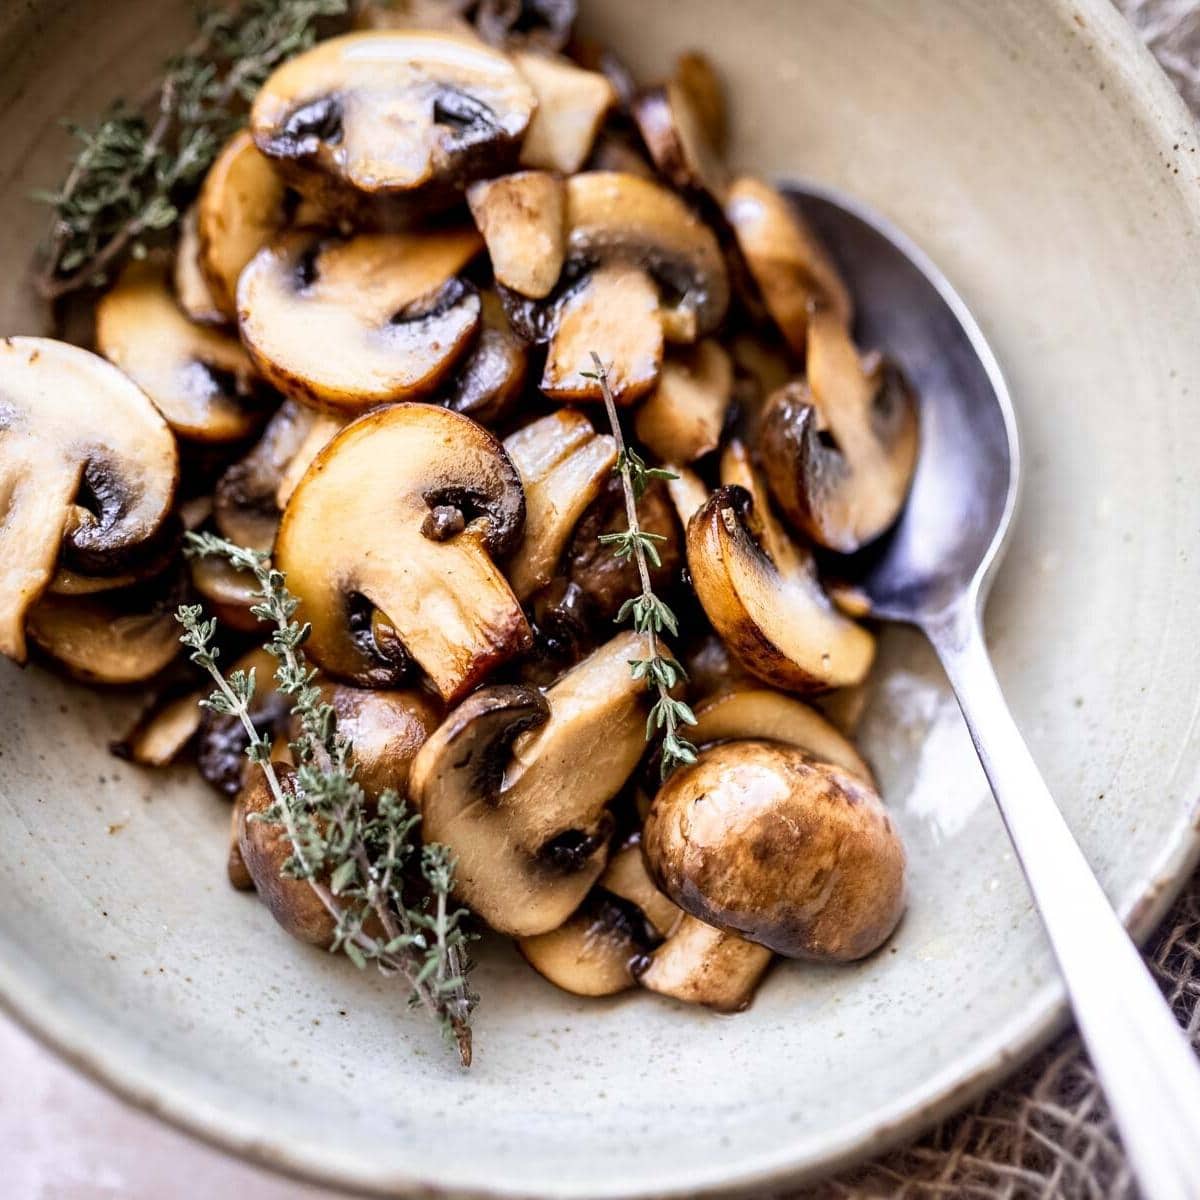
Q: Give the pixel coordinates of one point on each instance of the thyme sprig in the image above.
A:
(137, 168)
(356, 861)
(650, 616)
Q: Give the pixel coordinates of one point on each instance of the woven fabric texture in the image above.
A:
(1047, 1133)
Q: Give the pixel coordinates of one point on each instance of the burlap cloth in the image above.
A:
(1047, 1133)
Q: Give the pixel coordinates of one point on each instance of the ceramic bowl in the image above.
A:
(1039, 156)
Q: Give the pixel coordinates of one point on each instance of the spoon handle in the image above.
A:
(1148, 1070)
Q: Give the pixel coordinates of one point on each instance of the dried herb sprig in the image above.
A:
(137, 168)
(333, 835)
(649, 614)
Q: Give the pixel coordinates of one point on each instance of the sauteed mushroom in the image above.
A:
(489, 383)
(700, 964)
(453, 502)
(349, 324)
(522, 218)
(571, 106)
(839, 452)
(86, 464)
(163, 731)
(763, 841)
(192, 292)
(517, 785)
(684, 416)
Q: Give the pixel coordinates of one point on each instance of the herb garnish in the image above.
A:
(334, 836)
(650, 615)
(138, 167)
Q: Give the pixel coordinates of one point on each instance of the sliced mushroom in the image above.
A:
(699, 964)
(696, 75)
(839, 452)
(221, 749)
(201, 379)
(265, 848)
(627, 878)
(244, 504)
(563, 464)
(517, 785)
(685, 415)
(422, 500)
(673, 126)
(711, 669)
(112, 637)
(522, 218)
(386, 730)
(320, 433)
(745, 713)
(192, 292)
(792, 269)
(688, 492)
(227, 593)
(404, 115)
(640, 267)
(606, 581)
(489, 383)
(571, 107)
(235, 865)
(86, 464)
(243, 204)
(761, 592)
(760, 840)
(349, 324)
(163, 731)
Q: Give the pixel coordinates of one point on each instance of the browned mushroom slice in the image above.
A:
(320, 433)
(700, 83)
(699, 964)
(761, 592)
(349, 324)
(761, 840)
(163, 731)
(626, 877)
(192, 292)
(393, 114)
(522, 218)
(571, 106)
(386, 730)
(235, 865)
(615, 308)
(244, 504)
(243, 204)
(839, 452)
(688, 492)
(675, 129)
(490, 381)
(792, 269)
(201, 379)
(563, 464)
(758, 713)
(517, 785)
(227, 593)
(87, 465)
(422, 500)
(684, 416)
(113, 637)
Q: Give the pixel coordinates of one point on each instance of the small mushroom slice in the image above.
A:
(235, 865)
(761, 592)
(386, 729)
(677, 121)
(227, 593)
(699, 964)
(563, 464)
(761, 840)
(404, 512)
(163, 731)
(696, 75)
(839, 453)
(517, 785)
(349, 324)
(244, 500)
(522, 218)
(243, 204)
(87, 464)
(489, 383)
(757, 713)
(320, 433)
(408, 114)
(201, 379)
(113, 637)
(685, 415)
(192, 292)
(571, 106)
(792, 269)
(688, 492)
(626, 877)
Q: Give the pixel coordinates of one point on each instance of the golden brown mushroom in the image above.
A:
(163, 730)
(761, 840)
(571, 105)
(192, 292)
(683, 418)
(522, 218)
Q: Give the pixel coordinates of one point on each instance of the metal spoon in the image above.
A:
(933, 571)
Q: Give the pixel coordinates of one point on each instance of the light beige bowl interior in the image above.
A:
(1037, 154)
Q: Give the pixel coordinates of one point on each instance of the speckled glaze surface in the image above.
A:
(1036, 152)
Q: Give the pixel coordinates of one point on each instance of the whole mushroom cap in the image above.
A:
(761, 840)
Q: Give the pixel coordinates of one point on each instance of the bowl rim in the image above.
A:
(33, 1007)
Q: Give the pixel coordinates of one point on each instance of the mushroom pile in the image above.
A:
(370, 355)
